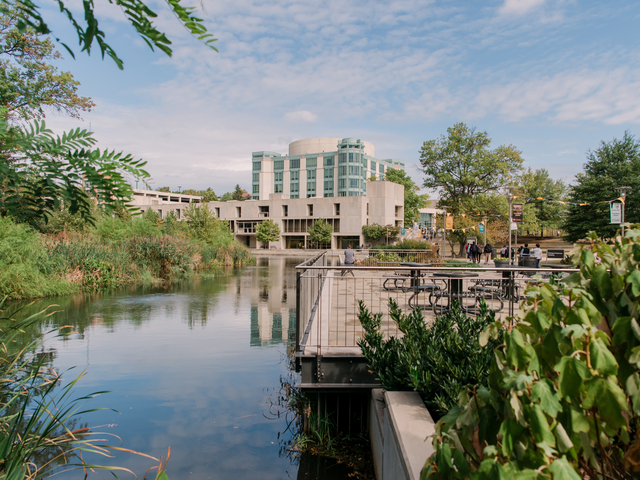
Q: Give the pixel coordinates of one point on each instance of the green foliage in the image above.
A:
(40, 172)
(166, 256)
(438, 361)
(321, 231)
(539, 213)
(461, 165)
(208, 195)
(268, 231)
(238, 193)
(564, 389)
(613, 164)
(135, 11)
(413, 201)
(377, 232)
(406, 244)
(204, 226)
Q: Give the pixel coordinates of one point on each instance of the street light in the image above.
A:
(485, 229)
(623, 195)
(510, 194)
(179, 187)
(444, 234)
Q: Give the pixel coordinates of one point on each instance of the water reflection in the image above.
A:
(188, 369)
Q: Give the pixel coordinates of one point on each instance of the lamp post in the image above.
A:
(179, 187)
(444, 234)
(484, 220)
(623, 195)
(510, 195)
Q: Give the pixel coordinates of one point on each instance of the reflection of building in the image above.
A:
(318, 167)
(272, 294)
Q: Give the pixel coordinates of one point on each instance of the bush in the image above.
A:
(563, 400)
(164, 256)
(437, 361)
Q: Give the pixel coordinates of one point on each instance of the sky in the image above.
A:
(555, 78)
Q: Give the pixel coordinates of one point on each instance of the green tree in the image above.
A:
(189, 191)
(614, 164)
(164, 189)
(413, 201)
(461, 165)
(226, 197)
(539, 188)
(208, 195)
(28, 81)
(377, 232)
(320, 232)
(238, 193)
(268, 231)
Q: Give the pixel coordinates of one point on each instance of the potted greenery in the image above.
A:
(501, 262)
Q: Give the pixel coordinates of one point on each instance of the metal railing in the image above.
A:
(328, 296)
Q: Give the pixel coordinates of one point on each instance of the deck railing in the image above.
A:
(328, 296)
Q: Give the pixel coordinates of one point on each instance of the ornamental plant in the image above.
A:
(563, 400)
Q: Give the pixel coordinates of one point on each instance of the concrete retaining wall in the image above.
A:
(399, 426)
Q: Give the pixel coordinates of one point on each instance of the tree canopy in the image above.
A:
(614, 164)
(413, 201)
(461, 165)
(268, 231)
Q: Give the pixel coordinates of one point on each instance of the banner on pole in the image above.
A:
(517, 212)
(481, 228)
(449, 223)
(616, 213)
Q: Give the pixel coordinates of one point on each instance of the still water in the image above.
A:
(194, 367)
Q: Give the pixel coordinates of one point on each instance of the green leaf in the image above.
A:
(608, 398)
(600, 279)
(517, 355)
(539, 425)
(543, 393)
(578, 421)
(602, 359)
(572, 372)
(634, 279)
(563, 441)
(561, 469)
(510, 431)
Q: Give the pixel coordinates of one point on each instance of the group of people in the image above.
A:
(475, 251)
(524, 251)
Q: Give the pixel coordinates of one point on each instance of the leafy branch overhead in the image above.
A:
(138, 13)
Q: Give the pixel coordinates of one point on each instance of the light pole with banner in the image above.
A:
(510, 195)
(444, 233)
(484, 221)
(623, 195)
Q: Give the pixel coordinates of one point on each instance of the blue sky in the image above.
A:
(552, 77)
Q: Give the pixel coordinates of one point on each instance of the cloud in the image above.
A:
(519, 7)
(300, 116)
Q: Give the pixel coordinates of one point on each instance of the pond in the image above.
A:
(194, 367)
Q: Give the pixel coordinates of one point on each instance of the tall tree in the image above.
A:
(543, 209)
(461, 165)
(239, 193)
(320, 232)
(413, 201)
(614, 164)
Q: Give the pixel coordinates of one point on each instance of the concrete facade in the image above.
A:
(162, 202)
(383, 204)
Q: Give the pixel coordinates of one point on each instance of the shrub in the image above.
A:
(437, 361)
(164, 256)
(563, 400)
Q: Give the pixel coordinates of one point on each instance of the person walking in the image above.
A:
(488, 249)
(468, 250)
(475, 251)
(537, 253)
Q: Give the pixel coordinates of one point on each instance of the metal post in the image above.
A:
(510, 200)
(623, 195)
(485, 229)
(444, 234)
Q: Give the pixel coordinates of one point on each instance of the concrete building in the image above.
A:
(163, 202)
(318, 167)
(383, 204)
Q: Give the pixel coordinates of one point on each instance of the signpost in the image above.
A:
(517, 212)
(616, 213)
(481, 228)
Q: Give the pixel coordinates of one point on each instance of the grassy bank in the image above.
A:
(113, 252)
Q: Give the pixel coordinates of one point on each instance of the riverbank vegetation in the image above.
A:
(68, 254)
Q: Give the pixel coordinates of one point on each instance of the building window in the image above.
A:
(353, 183)
(294, 187)
(342, 171)
(285, 210)
(342, 158)
(278, 165)
(310, 210)
(277, 188)
(312, 162)
(328, 174)
(398, 209)
(217, 212)
(336, 208)
(277, 176)
(239, 212)
(328, 161)
(381, 170)
(328, 185)
(311, 186)
(354, 170)
(351, 159)
(256, 189)
(294, 163)
(373, 167)
(311, 174)
(342, 194)
(256, 166)
(295, 175)
(367, 209)
(256, 177)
